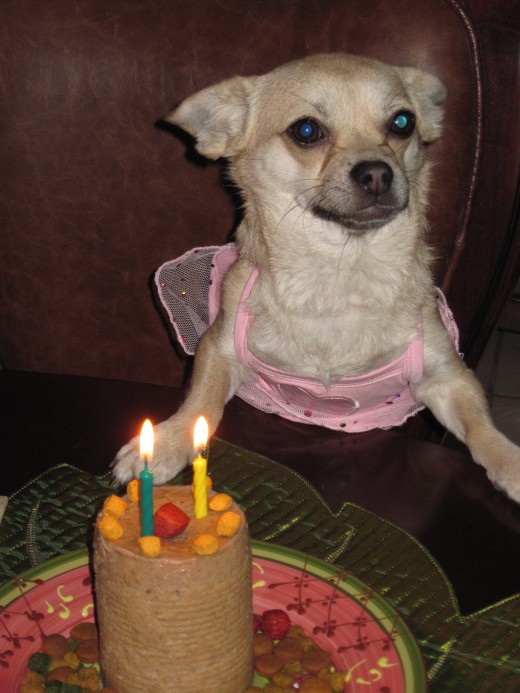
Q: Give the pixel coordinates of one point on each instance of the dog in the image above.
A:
(332, 265)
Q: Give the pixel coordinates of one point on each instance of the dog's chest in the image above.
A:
(330, 344)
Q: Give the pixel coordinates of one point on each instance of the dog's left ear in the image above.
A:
(427, 93)
(217, 117)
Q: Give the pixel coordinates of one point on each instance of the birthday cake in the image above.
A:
(174, 614)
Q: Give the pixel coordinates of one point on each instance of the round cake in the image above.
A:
(181, 621)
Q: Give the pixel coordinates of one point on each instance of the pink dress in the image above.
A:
(190, 291)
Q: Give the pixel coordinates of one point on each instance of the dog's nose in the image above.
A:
(374, 176)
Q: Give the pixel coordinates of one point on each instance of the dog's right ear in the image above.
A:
(217, 117)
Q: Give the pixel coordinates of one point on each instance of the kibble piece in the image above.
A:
(283, 679)
(33, 677)
(314, 685)
(88, 651)
(296, 631)
(53, 687)
(289, 649)
(268, 664)
(274, 688)
(40, 662)
(60, 674)
(86, 630)
(314, 660)
(307, 643)
(337, 681)
(89, 679)
(293, 668)
(32, 687)
(70, 688)
(71, 659)
(56, 646)
(262, 644)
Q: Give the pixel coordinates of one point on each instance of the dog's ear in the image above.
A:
(217, 117)
(428, 93)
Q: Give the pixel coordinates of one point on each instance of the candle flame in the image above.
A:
(146, 440)
(200, 434)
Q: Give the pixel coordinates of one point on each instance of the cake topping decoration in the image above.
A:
(228, 524)
(220, 502)
(133, 490)
(110, 527)
(169, 521)
(114, 506)
(150, 546)
(205, 545)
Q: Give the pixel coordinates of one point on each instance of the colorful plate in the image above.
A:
(364, 634)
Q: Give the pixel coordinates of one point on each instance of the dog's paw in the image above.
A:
(504, 471)
(173, 450)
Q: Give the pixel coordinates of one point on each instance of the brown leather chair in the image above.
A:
(94, 196)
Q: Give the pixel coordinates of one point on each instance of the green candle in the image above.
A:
(146, 480)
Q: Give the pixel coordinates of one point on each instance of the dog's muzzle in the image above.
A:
(370, 197)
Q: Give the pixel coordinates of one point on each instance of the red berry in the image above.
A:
(169, 521)
(275, 623)
(256, 623)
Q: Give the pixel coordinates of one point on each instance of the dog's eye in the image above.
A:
(403, 123)
(305, 131)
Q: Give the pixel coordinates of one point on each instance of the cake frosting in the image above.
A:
(180, 622)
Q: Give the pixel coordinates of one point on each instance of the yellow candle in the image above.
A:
(200, 491)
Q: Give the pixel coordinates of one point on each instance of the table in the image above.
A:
(417, 521)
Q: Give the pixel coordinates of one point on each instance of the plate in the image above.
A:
(364, 634)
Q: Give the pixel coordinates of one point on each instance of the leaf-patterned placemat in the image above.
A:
(53, 514)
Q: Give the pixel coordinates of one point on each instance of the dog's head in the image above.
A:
(335, 136)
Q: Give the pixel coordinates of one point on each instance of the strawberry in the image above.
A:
(275, 623)
(257, 620)
(169, 521)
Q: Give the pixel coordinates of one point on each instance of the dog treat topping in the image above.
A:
(169, 521)
(150, 546)
(220, 502)
(205, 545)
(228, 524)
(110, 528)
(114, 506)
(133, 490)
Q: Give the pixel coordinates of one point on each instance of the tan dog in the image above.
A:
(329, 155)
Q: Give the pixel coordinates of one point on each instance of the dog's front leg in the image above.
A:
(174, 449)
(457, 400)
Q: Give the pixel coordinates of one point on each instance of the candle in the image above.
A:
(146, 480)
(200, 491)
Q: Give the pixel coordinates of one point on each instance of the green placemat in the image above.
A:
(53, 514)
